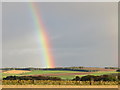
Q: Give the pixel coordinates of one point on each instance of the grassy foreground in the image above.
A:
(50, 82)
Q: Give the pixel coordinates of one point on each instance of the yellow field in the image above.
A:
(59, 86)
(16, 71)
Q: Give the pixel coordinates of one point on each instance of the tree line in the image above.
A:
(113, 77)
(97, 78)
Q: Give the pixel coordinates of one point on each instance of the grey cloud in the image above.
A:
(81, 34)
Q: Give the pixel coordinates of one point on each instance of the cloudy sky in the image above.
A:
(81, 34)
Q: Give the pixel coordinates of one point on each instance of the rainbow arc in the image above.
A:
(43, 37)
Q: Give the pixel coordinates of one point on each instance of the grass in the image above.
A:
(9, 74)
(68, 77)
(103, 73)
(37, 72)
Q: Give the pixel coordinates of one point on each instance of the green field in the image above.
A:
(37, 72)
(96, 74)
(103, 73)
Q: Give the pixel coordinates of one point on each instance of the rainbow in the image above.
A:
(42, 35)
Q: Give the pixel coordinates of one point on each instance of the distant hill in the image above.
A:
(82, 69)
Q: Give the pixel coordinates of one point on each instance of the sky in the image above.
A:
(81, 34)
(1, 34)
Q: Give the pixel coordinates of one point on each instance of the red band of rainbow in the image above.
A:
(43, 36)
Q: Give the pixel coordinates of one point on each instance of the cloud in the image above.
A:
(80, 34)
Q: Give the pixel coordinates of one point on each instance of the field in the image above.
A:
(64, 74)
(59, 86)
(66, 81)
(15, 71)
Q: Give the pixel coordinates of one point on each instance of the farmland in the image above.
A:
(61, 74)
(73, 76)
(60, 86)
(64, 74)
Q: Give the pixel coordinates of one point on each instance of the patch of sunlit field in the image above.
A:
(59, 86)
